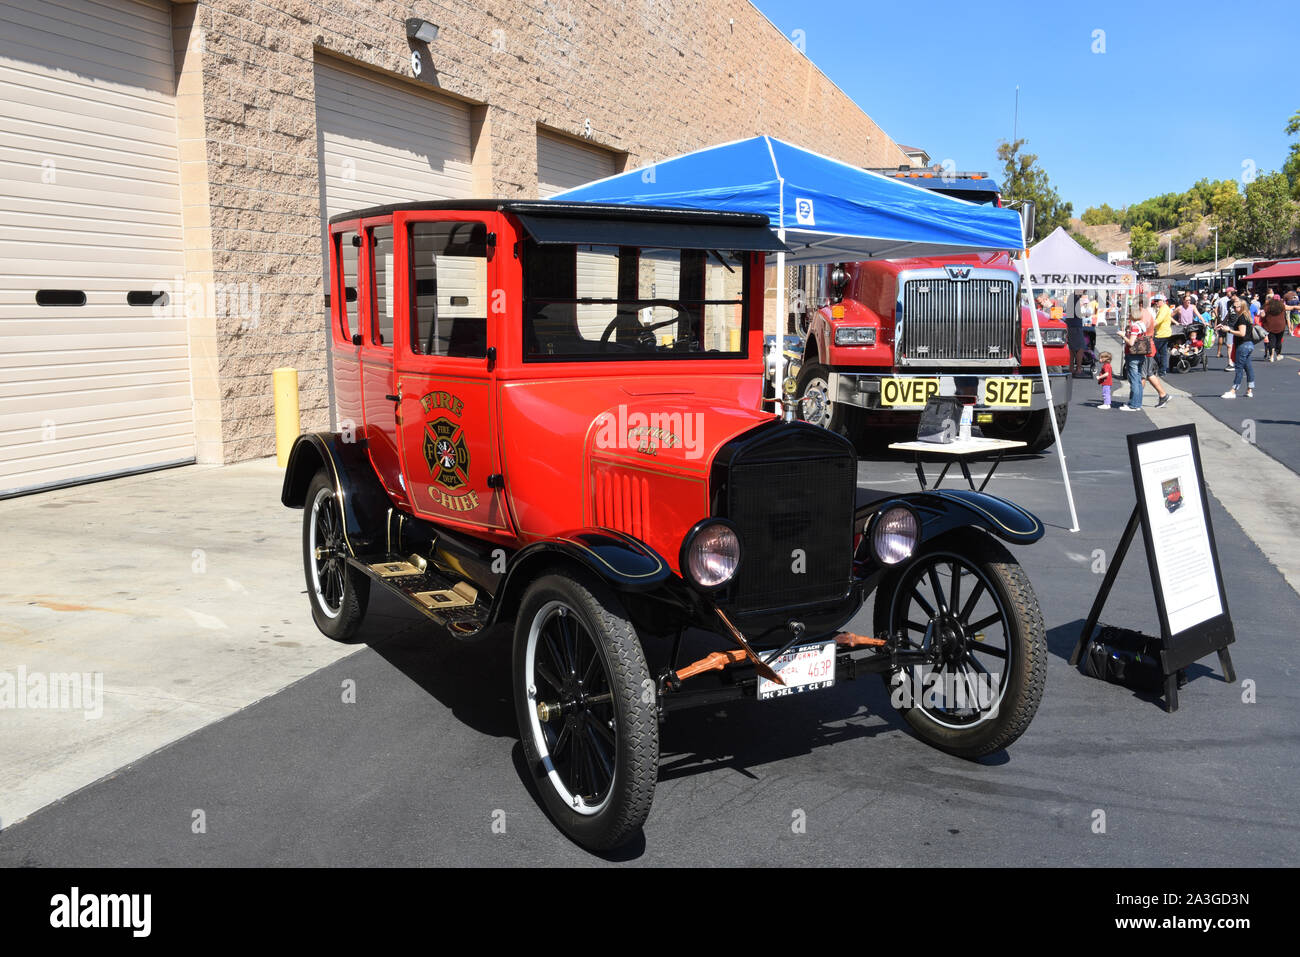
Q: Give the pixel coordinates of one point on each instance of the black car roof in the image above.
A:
(568, 210)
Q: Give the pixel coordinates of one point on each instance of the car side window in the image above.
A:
(381, 264)
(348, 246)
(449, 288)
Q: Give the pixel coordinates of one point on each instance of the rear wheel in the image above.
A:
(587, 709)
(338, 593)
(967, 603)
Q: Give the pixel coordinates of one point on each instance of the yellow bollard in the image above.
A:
(286, 413)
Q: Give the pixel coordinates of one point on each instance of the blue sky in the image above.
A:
(1103, 124)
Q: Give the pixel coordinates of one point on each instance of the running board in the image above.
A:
(440, 596)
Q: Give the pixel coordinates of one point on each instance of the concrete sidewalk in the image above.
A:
(180, 591)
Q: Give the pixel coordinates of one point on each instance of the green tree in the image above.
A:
(1100, 215)
(1142, 242)
(1262, 222)
(1024, 179)
(1292, 165)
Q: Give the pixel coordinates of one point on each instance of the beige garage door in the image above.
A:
(95, 379)
(382, 141)
(563, 163)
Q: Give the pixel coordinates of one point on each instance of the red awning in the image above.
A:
(1283, 270)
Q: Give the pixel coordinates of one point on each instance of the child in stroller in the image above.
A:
(1187, 348)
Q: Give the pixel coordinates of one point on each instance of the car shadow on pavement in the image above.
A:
(471, 678)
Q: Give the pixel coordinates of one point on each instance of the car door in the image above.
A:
(447, 344)
(343, 299)
(378, 377)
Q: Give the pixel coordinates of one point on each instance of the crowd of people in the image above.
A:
(1226, 319)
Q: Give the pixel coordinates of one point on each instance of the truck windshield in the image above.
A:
(623, 302)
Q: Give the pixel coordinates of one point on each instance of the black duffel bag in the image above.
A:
(1125, 657)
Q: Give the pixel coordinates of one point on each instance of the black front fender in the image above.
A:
(620, 560)
(365, 503)
(942, 510)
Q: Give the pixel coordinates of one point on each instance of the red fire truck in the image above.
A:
(895, 332)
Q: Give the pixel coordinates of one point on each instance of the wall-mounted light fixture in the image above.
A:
(422, 30)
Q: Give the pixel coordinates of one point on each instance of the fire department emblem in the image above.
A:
(446, 453)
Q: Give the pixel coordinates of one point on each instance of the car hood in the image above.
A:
(632, 455)
(676, 430)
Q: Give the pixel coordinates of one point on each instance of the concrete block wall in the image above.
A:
(652, 78)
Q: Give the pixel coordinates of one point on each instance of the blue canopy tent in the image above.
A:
(823, 210)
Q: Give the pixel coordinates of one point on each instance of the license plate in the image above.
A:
(907, 391)
(805, 668)
(1012, 392)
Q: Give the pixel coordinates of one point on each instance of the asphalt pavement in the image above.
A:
(423, 767)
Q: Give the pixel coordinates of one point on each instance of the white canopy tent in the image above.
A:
(1058, 262)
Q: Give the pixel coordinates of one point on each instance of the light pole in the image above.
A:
(1215, 230)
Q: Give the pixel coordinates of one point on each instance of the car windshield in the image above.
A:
(624, 302)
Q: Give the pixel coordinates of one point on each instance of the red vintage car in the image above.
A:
(549, 416)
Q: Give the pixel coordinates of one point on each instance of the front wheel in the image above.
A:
(967, 604)
(816, 405)
(587, 709)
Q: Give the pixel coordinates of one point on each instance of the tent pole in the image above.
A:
(780, 329)
(1047, 382)
(777, 389)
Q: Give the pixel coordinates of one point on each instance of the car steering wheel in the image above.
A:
(645, 335)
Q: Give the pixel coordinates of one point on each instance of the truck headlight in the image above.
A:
(1051, 337)
(711, 553)
(894, 535)
(855, 336)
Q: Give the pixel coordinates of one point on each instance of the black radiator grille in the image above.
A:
(781, 504)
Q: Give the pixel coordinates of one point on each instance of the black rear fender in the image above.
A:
(365, 503)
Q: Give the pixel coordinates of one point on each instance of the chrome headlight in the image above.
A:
(1051, 337)
(894, 535)
(855, 336)
(710, 553)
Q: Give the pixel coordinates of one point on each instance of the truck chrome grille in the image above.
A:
(945, 321)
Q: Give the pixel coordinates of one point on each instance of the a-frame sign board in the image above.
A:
(1173, 512)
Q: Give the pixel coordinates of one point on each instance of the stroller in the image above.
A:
(1189, 348)
(1088, 360)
